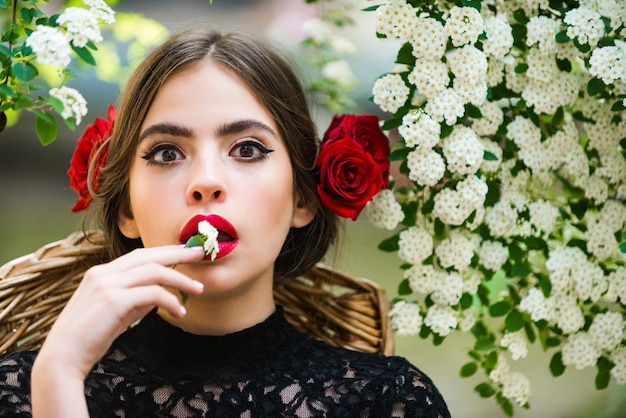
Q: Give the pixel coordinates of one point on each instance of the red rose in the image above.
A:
(349, 177)
(365, 130)
(86, 148)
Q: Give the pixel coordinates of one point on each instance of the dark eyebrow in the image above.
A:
(166, 129)
(238, 126)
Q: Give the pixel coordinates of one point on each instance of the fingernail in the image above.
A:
(197, 248)
(198, 284)
(183, 310)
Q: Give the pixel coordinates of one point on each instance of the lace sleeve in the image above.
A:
(413, 394)
(15, 384)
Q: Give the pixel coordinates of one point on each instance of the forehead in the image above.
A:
(205, 93)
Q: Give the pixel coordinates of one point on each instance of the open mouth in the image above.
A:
(226, 238)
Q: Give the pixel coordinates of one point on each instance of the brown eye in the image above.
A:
(250, 151)
(168, 155)
(163, 154)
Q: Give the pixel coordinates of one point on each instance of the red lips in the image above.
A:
(227, 238)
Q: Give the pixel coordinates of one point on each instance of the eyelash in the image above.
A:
(149, 156)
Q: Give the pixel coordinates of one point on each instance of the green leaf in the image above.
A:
(56, 104)
(4, 51)
(23, 102)
(491, 361)
(520, 270)
(7, 91)
(466, 301)
(399, 154)
(520, 16)
(485, 344)
(46, 128)
(371, 8)
(602, 380)
(561, 37)
(404, 288)
(405, 55)
(618, 106)
(595, 86)
(472, 3)
(469, 369)
(530, 332)
(546, 286)
(473, 111)
(557, 367)
(84, 54)
(499, 308)
(506, 405)
(24, 71)
(27, 15)
(195, 241)
(489, 156)
(521, 68)
(391, 123)
(514, 321)
(553, 342)
(605, 365)
(622, 247)
(390, 244)
(485, 390)
(3, 3)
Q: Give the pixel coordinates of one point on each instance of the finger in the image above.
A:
(145, 298)
(167, 255)
(142, 275)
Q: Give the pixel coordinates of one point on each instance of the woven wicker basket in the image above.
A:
(339, 309)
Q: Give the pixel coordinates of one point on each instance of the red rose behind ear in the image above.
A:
(353, 163)
(349, 178)
(365, 130)
(86, 148)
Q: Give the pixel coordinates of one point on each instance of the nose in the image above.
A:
(207, 182)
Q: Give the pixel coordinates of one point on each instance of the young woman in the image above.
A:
(210, 128)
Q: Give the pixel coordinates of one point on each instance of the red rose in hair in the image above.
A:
(86, 148)
(349, 177)
(365, 130)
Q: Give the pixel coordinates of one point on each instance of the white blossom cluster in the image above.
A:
(516, 158)
(514, 385)
(77, 27)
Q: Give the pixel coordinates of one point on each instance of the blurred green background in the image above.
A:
(35, 202)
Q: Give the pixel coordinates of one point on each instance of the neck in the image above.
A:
(227, 315)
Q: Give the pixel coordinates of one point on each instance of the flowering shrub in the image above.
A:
(31, 39)
(511, 136)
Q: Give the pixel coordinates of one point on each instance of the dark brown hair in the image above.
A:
(273, 81)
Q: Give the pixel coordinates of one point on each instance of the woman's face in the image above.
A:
(208, 150)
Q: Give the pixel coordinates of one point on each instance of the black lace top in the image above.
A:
(269, 370)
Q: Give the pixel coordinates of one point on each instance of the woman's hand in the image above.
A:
(110, 298)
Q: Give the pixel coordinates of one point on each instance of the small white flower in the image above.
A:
(441, 319)
(415, 245)
(516, 344)
(406, 318)
(384, 211)
(209, 233)
(464, 25)
(74, 104)
(390, 92)
(579, 351)
(516, 386)
(340, 72)
(101, 10)
(81, 25)
(50, 45)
